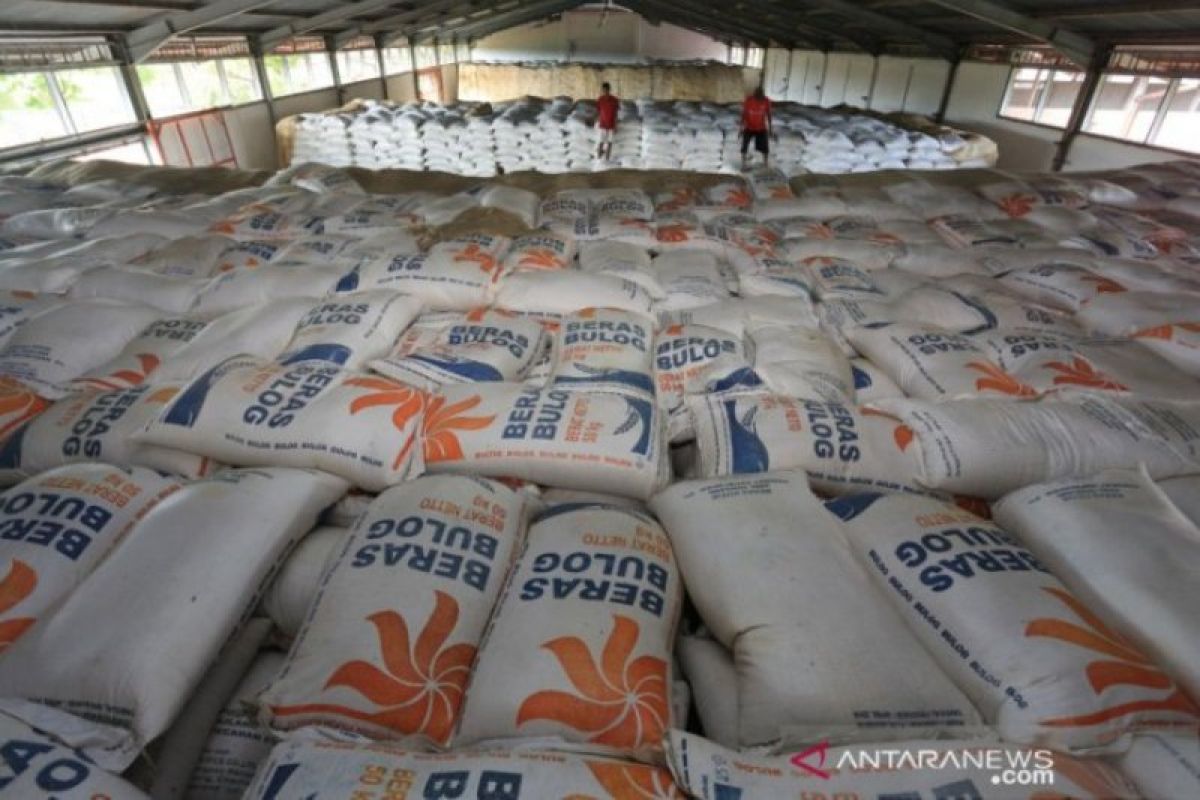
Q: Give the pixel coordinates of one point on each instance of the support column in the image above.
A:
(870, 98)
(382, 66)
(948, 89)
(264, 84)
(331, 54)
(1083, 101)
(412, 60)
(787, 76)
(133, 86)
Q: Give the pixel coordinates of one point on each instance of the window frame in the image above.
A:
(1160, 112)
(177, 73)
(287, 71)
(73, 133)
(1040, 106)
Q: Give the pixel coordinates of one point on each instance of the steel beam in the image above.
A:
(942, 45)
(1123, 10)
(302, 26)
(1075, 46)
(397, 21)
(753, 30)
(948, 89)
(158, 30)
(521, 14)
(1083, 101)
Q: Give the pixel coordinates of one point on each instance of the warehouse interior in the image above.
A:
(663, 399)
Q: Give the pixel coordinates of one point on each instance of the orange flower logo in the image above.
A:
(1081, 373)
(473, 253)
(1103, 285)
(901, 434)
(18, 584)
(126, 378)
(17, 404)
(1017, 205)
(621, 703)
(634, 781)
(1166, 332)
(741, 198)
(478, 314)
(541, 258)
(441, 421)
(674, 233)
(1127, 666)
(997, 380)
(419, 690)
(408, 403)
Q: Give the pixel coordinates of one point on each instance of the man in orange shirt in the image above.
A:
(756, 125)
(607, 106)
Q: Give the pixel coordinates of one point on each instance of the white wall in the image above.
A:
(250, 125)
(855, 79)
(250, 131)
(974, 103)
(616, 37)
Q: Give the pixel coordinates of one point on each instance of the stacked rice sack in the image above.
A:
(305, 495)
(558, 135)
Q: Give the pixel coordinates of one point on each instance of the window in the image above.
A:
(1044, 96)
(464, 53)
(183, 86)
(754, 57)
(357, 65)
(737, 54)
(1126, 106)
(1179, 121)
(36, 106)
(298, 72)
(28, 112)
(446, 54)
(396, 59)
(426, 56)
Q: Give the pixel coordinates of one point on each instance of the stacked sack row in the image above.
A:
(559, 135)
(513, 505)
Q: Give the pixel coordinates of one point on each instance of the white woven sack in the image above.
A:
(67, 341)
(328, 771)
(312, 415)
(1163, 766)
(290, 595)
(56, 527)
(351, 329)
(387, 646)
(125, 685)
(566, 291)
(842, 448)
(987, 448)
(236, 745)
(1142, 588)
(604, 350)
(603, 442)
(483, 345)
(595, 595)
(97, 426)
(899, 769)
(160, 341)
(37, 766)
(1012, 636)
(261, 331)
(749, 563)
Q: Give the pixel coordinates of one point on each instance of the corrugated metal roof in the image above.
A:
(939, 27)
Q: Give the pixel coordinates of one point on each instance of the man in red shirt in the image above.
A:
(607, 106)
(756, 125)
